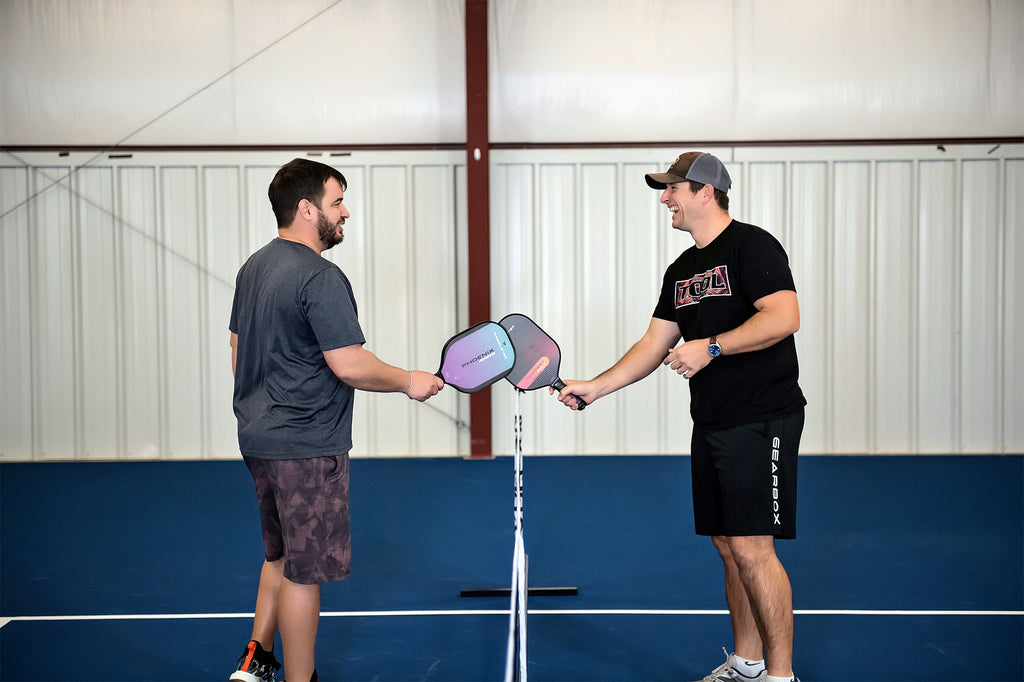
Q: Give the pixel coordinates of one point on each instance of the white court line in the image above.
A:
(798, 612)
(504, 611)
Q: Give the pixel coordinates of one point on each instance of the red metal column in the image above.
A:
(478, 207)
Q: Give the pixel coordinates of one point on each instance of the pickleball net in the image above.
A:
(515, 658)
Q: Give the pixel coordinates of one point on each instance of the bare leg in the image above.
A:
(295, 610)
(299, 615)
(745, 634)
(769, 598)
(264, 625)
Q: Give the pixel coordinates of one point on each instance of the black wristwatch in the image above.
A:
(714, 350)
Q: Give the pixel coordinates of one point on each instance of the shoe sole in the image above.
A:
(242, 676)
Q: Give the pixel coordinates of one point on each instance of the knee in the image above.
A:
(746, 552)
(724, 547)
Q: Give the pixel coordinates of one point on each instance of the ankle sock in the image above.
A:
(755, 666)
(769, 678)
(747, 663)
(747, 668)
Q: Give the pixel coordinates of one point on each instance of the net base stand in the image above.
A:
(530, 592)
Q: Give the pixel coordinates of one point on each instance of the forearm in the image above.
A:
(777, 317)
(638, 362)
(363, 370)
(645, 356)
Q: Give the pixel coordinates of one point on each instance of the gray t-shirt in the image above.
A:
(290, 305)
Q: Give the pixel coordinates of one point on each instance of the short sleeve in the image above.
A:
(330, 308)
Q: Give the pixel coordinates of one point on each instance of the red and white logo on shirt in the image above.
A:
(714, 282)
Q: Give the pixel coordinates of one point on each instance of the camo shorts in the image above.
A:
(304, 515)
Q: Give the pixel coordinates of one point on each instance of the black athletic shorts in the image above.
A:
(744, 478)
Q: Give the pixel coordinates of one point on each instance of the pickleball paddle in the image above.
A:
(477, 357)
(537, 356)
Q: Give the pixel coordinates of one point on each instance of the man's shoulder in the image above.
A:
(749, 235)
(742, 229)
(288, 254)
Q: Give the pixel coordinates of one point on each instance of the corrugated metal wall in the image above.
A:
(117, 287)
(906, 263)
(117, 284)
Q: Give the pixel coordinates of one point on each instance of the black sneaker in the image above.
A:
(255, 665)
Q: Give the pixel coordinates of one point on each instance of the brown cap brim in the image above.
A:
(661, 180)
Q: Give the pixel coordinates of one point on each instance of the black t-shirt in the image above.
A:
(712, 290)
(290, 305)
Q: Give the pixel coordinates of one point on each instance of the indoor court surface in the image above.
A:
(905, 568)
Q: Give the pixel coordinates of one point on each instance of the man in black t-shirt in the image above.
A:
(298, 358)
(732, 299)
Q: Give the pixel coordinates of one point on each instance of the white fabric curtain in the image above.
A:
(221, 72)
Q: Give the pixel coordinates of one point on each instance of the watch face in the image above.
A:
(714, 349)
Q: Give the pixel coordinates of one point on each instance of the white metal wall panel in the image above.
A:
(850, 369)
(17, 383)
(54, 319)
(516, 286)
(221, 254)
(117, 284)
(554, 276)
(432, 284)
(885, 245)
(1012, 396)
(141, 375)
(804, 185)
(893, 252)
(387, 326)
(980, 320)
(647, 420)
(938, 275)
(596, 269)
(97, 297)
(180, 300)
(117, 288)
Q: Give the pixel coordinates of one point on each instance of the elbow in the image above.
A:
(794, 326)
(794, 317)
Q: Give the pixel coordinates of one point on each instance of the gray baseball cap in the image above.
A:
(696, 166)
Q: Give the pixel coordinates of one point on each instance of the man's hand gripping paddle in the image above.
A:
(536, 358)
(474, 359)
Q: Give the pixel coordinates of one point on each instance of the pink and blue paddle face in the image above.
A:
(537, 356)
(474, 359)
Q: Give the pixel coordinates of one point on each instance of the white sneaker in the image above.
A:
(733, 671)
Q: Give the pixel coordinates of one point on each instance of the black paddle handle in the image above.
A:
(581, 404)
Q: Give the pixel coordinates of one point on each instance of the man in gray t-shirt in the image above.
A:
(290, 306)
(298, 357)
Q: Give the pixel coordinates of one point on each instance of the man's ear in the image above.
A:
(306, 209)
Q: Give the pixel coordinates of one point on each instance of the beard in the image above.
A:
(329, 233)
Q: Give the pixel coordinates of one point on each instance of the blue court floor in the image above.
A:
(905, 568)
